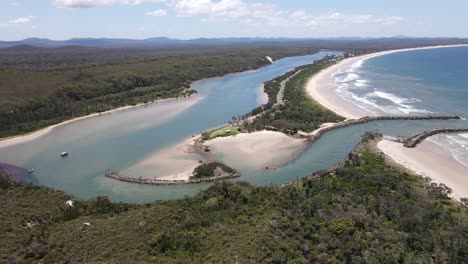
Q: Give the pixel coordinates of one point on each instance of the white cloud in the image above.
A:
(391, 20)
(20, 20)
(259, 14)
(223, 8)
(93, 3)
(157, 13)
(270, 14)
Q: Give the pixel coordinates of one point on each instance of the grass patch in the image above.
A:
(224, 131)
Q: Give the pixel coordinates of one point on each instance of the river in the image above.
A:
(121, 139)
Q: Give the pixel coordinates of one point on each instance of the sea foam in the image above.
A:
(402, 104)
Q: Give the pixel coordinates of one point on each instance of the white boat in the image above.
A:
(64, 154)
(30, 171)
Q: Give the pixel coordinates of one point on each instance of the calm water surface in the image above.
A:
(121, 139)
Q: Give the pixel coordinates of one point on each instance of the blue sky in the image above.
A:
(185, 19)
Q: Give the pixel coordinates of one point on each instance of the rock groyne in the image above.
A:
(415, 140)
(150, 181)
(314, 136)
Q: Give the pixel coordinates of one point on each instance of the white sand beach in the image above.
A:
(255, 151)
(427, 159)
(321, 86)
(430, 160)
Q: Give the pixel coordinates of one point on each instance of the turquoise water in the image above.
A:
(415, 82)
(122, 139)
(119, 140)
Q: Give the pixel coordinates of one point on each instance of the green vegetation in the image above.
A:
(225, 131)
(363, 211)
(212, 169)
(34, 95)
(299, 111)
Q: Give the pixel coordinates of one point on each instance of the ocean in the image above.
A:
(431, 81)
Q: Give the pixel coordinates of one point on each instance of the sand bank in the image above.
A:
(176, 162)
(255, 151)
(439, 165)
(321, 87)
(39, 133)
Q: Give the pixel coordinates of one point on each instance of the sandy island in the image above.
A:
(427, 159)
(255, 151)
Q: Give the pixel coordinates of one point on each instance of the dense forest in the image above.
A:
(41, 86)
(32, 98)
(362, 211)
(298, 112)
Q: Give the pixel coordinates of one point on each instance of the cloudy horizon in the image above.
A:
(188, 19)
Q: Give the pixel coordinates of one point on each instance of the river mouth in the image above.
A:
(122, 139)
(132, 138)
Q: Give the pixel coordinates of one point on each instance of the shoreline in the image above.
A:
(32, 135)
(319, 87)
(440, 166)
(182, 157)
(20, 139)
(437, 166)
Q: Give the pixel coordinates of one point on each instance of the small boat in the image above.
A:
(30, 171)
(64, 154)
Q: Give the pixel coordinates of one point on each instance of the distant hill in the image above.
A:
(164, 41)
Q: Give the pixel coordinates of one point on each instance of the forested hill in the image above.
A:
(365, 211)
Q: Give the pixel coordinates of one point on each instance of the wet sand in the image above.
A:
(428, 159)
(255, 151)
(15, 140)
(439, 165)
(176, 162)
(321, 87)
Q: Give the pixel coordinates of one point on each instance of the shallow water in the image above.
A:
(121, 139)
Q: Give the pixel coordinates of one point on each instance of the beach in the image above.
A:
(439, 165)
(427, 159)
(255, 151)
(321, 86)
